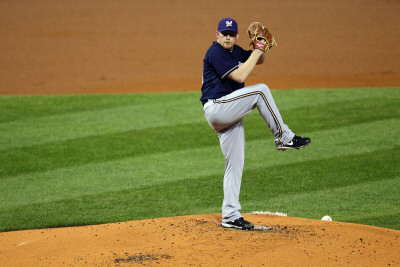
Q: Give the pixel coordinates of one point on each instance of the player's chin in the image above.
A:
(228, 45)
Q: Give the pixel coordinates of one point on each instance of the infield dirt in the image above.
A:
(52, 47)
(68, 47)
(199, 240)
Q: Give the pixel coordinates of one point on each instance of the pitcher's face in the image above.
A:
(227, 39)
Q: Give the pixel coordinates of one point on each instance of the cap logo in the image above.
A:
(228, 23)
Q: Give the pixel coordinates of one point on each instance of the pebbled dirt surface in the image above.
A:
(199, 240)
(153, 46)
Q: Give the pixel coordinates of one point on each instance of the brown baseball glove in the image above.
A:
(260, 37)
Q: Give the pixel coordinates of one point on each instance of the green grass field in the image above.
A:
(70, 160)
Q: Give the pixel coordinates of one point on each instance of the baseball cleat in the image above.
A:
(296, 143)
(238, 224)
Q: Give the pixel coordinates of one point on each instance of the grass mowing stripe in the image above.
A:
(150, 169)
(323, 116)
(14, 108)
(266, 188)
(304, 98)
(332, 139)
(105, 147)
(334, 186)
(317, 174)
(128, 173)
(372, 202)
(72, 125)
(380, 218)
(327, 144)
(120, 145)
(22, 107)
(345, 113)
(167, 199)
(59, 118)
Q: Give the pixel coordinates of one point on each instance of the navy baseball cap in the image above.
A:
(227, 24)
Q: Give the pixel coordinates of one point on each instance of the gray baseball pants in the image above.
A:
(225, 116)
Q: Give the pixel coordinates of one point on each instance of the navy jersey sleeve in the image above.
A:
(246, 54)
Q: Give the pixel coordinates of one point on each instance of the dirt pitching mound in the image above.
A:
(199, 240)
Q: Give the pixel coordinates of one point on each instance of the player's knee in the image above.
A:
(264, 87)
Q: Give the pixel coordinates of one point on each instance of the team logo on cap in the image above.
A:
(228, 23)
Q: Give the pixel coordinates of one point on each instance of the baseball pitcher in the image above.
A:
(226, 101)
